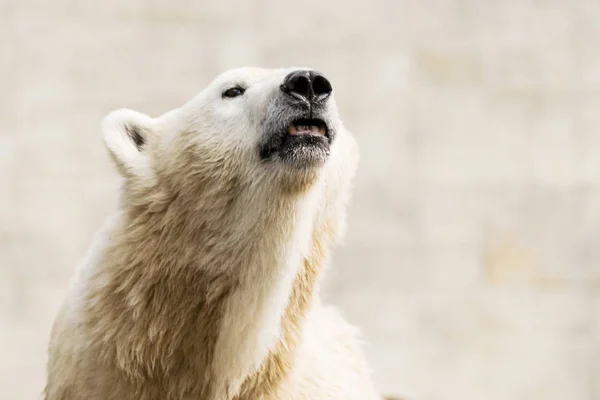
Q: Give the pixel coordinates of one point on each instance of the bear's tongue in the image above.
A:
(305, 130)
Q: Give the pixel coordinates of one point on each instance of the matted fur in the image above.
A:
(204, 283)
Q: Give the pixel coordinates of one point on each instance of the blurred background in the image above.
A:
(472, 260)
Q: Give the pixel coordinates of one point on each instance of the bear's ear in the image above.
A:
(126, 133)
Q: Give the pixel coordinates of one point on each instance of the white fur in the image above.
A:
(255, 311)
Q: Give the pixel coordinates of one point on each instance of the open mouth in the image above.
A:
(306, 126)
(300, 141)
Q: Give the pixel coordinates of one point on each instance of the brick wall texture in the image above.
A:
(472, 261)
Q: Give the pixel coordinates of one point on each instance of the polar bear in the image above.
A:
(203, 284)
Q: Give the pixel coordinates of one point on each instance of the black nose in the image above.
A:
(306, 84)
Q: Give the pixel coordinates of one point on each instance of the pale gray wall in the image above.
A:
(473, 254)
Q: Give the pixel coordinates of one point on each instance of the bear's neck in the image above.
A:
(220, 299)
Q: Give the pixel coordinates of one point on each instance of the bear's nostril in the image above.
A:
(320, 85)
(297, 83)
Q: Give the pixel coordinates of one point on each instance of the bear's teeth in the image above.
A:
(305, 130)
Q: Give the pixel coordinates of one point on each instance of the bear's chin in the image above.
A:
(304, 151)
(298, 151)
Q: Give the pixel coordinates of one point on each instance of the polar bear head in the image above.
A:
(276, 126)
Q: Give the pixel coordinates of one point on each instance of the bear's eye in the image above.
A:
(234, 92)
